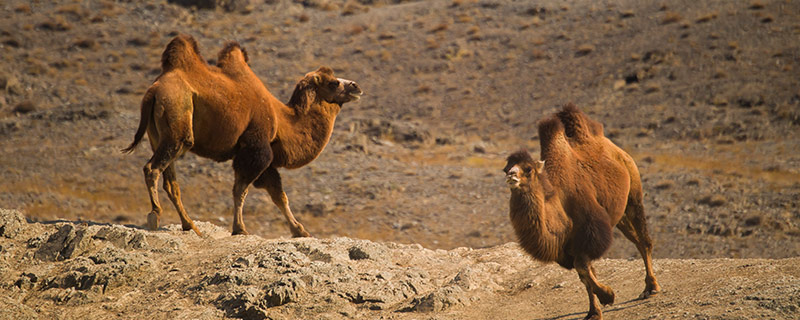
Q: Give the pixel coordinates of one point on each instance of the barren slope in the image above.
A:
(702, 93)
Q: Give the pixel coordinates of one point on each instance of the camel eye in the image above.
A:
(333, 84)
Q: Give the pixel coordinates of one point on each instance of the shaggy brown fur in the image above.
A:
(225, 112)
(563, 208)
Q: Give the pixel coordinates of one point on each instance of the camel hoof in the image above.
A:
(593, 317)
(192, 227)
(647, 293)
(606, 299)
(301, 234)
(152, 221)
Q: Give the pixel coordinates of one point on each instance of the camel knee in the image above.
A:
(150, 174)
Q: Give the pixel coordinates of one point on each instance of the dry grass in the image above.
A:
(756, 5)
(431, 43)
(706, 17)
(85, 43)
(626, 14)
(584, 49)
(23, 8)
(57, 23)
(355, 29)
(538, 54)
(75, 10)
(671, 17)
(464, 18)
(439, 28)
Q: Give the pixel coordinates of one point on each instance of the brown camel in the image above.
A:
(564, 207)
(225, 112)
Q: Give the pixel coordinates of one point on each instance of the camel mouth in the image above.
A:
(355, 95)
(512, 181)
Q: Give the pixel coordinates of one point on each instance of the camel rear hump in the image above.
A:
(181, 53)
(232, 54)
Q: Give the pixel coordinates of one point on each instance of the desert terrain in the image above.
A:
(703, 94)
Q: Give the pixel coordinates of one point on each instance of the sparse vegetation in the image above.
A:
(671, 17)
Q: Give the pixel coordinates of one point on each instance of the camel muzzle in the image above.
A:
(512, 178)
(352, 88)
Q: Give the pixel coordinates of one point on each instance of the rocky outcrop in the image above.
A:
(99, 271)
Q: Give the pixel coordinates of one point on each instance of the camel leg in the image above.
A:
(634, 226)
(595, 313)
(604, 293)
(174, 192)
(586, 271)
(164, 154)
(271, 181)
(248, 164)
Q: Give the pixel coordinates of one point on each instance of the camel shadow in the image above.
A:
(618, 307)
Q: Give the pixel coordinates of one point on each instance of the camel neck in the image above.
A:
(540, 227)
(301, 137)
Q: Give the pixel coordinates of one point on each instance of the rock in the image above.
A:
(52, 250)
(241, 303)
(12, 222)
(13, 309)
(24, 107)
(397, 131)
(10, 84)
(439, 300)
(283, 291)
(244, 6)
(713, 200)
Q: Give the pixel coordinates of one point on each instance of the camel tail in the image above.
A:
(147, 111)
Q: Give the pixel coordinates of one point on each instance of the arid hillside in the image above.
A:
(703, 94)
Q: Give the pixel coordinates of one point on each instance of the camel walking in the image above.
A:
(563, 207)
(225, 112)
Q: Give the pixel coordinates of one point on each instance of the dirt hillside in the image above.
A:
(69, 270)
(703, 94)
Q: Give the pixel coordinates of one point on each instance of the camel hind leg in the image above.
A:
(634, 226)
(170, 133)
(163, 156)
(173, 190)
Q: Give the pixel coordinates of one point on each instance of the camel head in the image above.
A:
(521, 169)
(322, 86)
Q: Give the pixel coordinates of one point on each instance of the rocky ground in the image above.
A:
(70, 270)
(703, 94)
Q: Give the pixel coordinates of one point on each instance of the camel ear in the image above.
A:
(306, 99)
(537, 166)
(316, 79)
(303, 96)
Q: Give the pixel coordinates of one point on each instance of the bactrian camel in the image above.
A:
(225, 112)
(564, 206)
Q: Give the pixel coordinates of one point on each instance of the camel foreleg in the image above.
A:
(271, 181)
